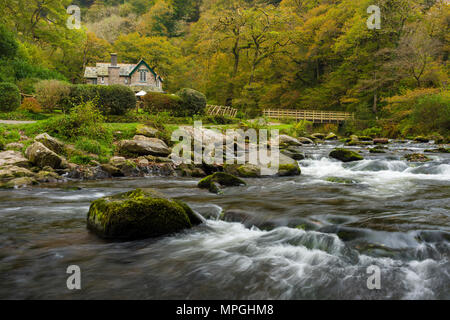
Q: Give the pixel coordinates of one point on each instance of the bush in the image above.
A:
(51, 93)
(27, 85)
(31, 105)
(193, 102)
(111, 100)
(432, 114)
(9, 97)
(84, 120)
(155, 102)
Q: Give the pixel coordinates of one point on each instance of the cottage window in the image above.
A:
(143, 75)
(103, 79)
(126, 80)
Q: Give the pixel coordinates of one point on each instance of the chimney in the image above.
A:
(113, 59)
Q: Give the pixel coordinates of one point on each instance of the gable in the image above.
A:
(138, 66)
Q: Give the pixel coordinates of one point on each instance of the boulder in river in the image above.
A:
(51, 143)
(143, 146)
(19, 183)
(42, 156)
(286, 140)
(294, 153)
(221, 179)
(331, 136)
(417, 157)
(421, 139)
(345, 155)
(380, 141)
(318, 136)
(243, 170)
(304, 140)
(11, 172)
(139, 214)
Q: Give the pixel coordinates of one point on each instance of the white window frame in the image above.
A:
(143, 75)
(102, 79)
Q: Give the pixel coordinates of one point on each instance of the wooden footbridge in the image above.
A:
(315, 116)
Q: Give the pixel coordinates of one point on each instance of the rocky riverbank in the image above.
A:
(44, 161)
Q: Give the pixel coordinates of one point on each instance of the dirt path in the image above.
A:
(15, 122)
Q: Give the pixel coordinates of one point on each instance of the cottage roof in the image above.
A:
(125, 70)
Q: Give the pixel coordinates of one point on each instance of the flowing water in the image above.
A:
(301, 237)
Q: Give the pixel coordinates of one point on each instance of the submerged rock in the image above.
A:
(345, 155)
(438, 150)
(339, 180)
(417, 157)
(42, 156)
(221, 179)
(139, 214)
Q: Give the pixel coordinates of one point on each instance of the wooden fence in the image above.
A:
(221, 111)
(315, 116)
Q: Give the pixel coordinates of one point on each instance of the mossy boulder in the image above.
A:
(149, 132)
(417, 157)
(290, 169)
(19, 183)
(376, 150)
(47, 176)
(243, 170)
(139, 214)
(221, 179)
(294, 153)
(339, 180)
(331, 136)
(41, 156)
(11, 172)
(345, 155)
(52, 143)
(421, 139)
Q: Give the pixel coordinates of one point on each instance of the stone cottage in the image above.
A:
(140, 76)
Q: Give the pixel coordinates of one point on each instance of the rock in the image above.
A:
(222, 179)
(294, 153)
(358, 143)
(14, 146)
(19, 183)
(319, 136)
(117, 161)
(11, 172)
(146, 131)
(42, 156)
(354, 138)
(438, 150)
(143, 146)
(345, 155)
(331, 136)
(289, 141)
(304, 140)
(47, 176)
(376, 150)
(243, 170)
(139, 214)
(112, 170)
(288, 167)
(340, 180)
(190, 170)
(437, 138)
(13, 158)
(380, 141)
(421, 139)
(365, 138)
(51, 143)
(417, 157)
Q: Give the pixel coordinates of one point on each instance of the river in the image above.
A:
(302, 238)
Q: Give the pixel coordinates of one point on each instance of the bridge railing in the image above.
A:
(317, 116)
(221, 111)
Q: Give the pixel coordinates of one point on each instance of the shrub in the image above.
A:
(193, 102)
(111, 100)
(51, 93)
(155, 102)
(27, 85)
(9, 97)
(31, 105)
(84, 120)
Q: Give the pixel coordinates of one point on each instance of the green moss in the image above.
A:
(139, 214)
(376, 150)
(290, 169)
(345, 155)
(221, 178)
(339, 180)
(249, 171)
